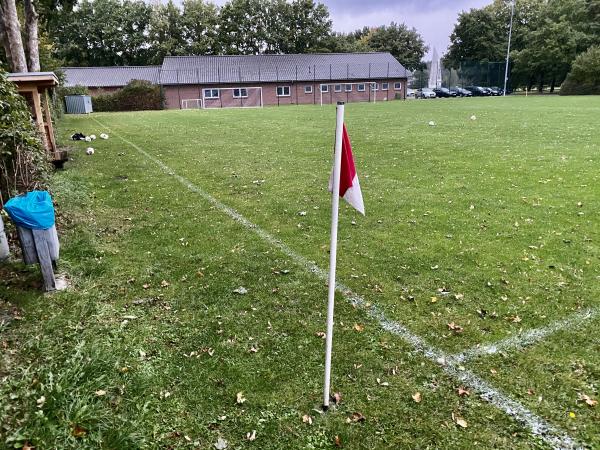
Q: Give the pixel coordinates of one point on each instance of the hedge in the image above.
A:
(137, 95)
(24, 164)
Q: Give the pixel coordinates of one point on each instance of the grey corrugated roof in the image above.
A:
(270, 68)
(116, 76)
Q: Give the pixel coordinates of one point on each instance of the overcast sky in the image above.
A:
(434, 19)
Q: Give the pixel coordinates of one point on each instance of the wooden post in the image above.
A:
(43, 253)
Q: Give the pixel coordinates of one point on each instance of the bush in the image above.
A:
(584, 78)
(24, 164)
(138, 95)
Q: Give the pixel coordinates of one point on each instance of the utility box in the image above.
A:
(78, 104)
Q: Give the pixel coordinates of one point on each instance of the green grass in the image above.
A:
(500, 211)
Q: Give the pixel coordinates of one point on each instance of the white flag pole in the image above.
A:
(335, 203)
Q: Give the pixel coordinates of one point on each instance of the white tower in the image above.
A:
(435, 71)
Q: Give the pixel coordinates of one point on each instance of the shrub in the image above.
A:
(137, 95)
(24, 164)
(584, 78)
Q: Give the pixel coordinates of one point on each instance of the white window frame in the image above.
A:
(308, 89)
(347, 88)
(240, 93)
(324, 88)
(361, 88)
(374, 86)
(397, 86)
(338, 88)
(283, 94)
(385, 86)
(210, 95)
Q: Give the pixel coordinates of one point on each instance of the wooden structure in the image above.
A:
(34, 87)
(41, 247)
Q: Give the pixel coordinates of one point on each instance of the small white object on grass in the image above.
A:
(93, 137)
(473, 117)
(89, 151)
(88, 139)
(431, 123)
(103, 136)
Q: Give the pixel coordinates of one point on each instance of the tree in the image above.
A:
(405, 44)
(10, 32)
(166, 33)
(200, 23)
(584, 78)
(31, 31)
(309, 25)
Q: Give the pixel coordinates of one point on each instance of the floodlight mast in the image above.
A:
(512, 13)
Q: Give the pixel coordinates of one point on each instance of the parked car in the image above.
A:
(425, 93)
(410, 93)
(487, 91)
(496, 90)
(460, 92)
(444, 92)
(476, 91)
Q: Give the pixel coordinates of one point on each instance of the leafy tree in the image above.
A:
(584, 78)
(200, 22)
(405, 44)
(166, 33)
(242, 27)
(309, 25)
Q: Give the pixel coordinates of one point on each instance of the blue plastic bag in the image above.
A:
(33, 210)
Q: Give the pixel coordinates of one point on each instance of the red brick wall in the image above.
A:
(174, 94)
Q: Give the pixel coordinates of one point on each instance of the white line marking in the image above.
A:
(553, 436)
(526, 338)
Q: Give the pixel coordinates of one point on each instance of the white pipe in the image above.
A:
(335, 203)
(512, 13)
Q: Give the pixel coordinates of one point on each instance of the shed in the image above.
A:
(34, 86)
(78, 104)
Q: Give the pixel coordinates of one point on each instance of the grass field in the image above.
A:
(477, 232)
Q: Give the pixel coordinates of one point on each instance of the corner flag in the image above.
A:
(342, 183)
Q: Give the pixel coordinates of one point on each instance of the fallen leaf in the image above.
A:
(307, 419)
(356, 417)
(239, 398)
(251, 436)
(455, 328)
(588, 400)
(337, 398)
(382, 383)
(338, 441)
(241, 290)
(417, 397)
(358, 327)
(321, 334)
(78, 431)
(463, 392)
(27, 446)
(221, 444)
(100, 392)
(165, 283)
(145, 286)
(459, 421)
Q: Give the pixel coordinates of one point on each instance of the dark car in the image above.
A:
(496, 91)
(443, 92)
(476, 91)
(460, 92)
(487, 91)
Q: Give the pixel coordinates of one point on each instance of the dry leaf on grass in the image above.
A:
(455, 328)
(417, 397)
(100, 392)
(307, 419)
(463, 391)
(588, 400)
(78, 431)
(251, 436)
(459, 421)
(337, 398)
(355, 417)
(239, 398)
(321, 334)
(338, 441)
(358, 327)
(221, 444)
(165, 283)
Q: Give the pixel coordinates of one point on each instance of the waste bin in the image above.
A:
(33, 214)
(3, 242)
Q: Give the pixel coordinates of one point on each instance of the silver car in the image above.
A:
(425, 93)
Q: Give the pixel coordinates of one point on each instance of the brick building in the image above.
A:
(257, 80)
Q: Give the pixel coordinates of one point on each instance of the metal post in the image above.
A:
(512, 13)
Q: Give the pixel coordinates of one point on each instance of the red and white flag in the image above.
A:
(349, 185)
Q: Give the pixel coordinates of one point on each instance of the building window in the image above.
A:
(374, 86)
(308, 89)
(240, 93)
(324, 88)
(211, 93)
(385, 86)
(348, 88)
(398, 86)
(283, 91)
(361, 88)
(338, 88)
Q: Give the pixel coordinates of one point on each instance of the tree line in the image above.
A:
(547, 37)
(132, 32)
